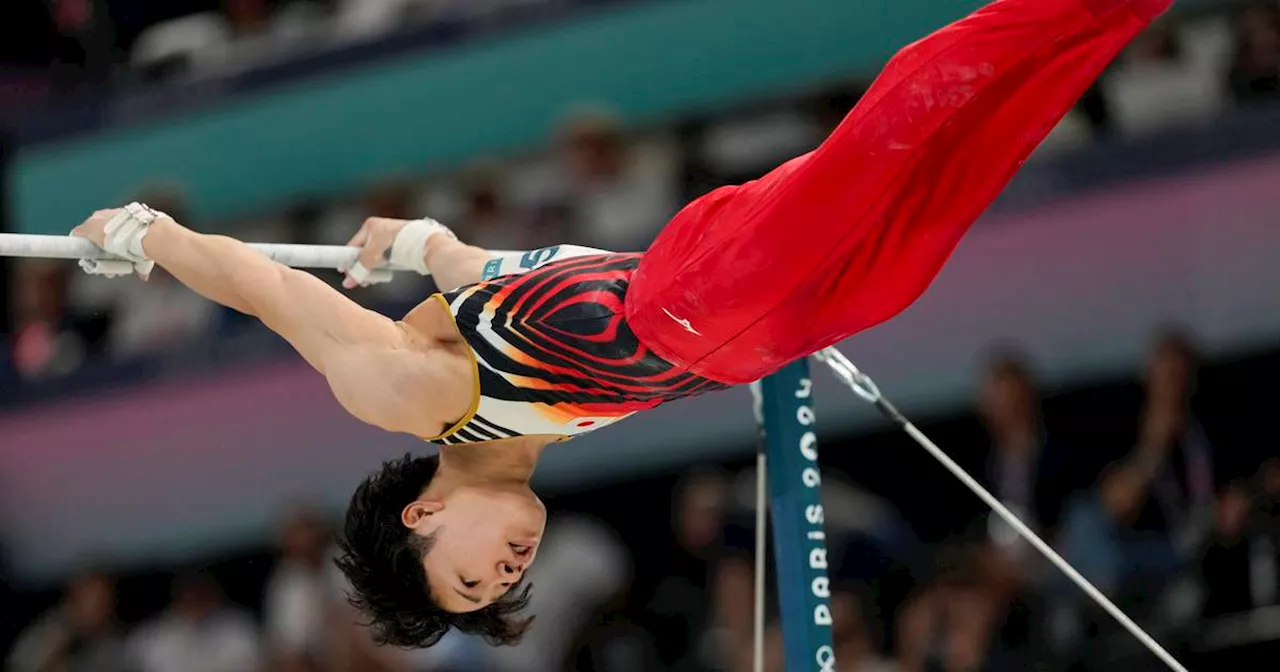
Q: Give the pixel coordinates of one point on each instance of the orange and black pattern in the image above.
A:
(557, 338)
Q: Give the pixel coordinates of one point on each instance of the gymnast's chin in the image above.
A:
(442, 542)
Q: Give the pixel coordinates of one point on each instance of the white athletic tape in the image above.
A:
(409, 248)
(365, 277)
(109, 268)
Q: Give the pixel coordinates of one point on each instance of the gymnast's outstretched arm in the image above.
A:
(431, 248)
(452, 263)
(376, 367)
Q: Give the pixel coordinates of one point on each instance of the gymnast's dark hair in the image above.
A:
(382, 560)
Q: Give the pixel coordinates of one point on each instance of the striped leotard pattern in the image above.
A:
(554, 354)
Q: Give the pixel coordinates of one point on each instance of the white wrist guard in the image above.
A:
(123, 238)
(410, 247)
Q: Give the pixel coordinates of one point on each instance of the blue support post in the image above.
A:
(785, 400)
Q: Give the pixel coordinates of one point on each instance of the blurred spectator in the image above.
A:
(1241, 567)
(157, 315)
(1226, 565)
(954, 623)
(683, 620)
(242, 33)
(392, 197)
(743, 147)
(199, 632)
(1255, 71)
(255, 33)
(616, 644)
(1264, 527)
(1103, 539)
(79, 635)
(853, 632)
(1026, 470)
(949, 627)
(363, 19)
(1164, 81)
(27, 44)
(299, 24)
(487, 220)
(467, 10)
(395, 196)
(87, 36)
(180, 47)
(620, 197)
(247, 18)
(304, 595)
(1153, 511)
(1173, 451)
(44, 344)
(1096, 110)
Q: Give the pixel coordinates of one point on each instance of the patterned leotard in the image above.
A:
(553, 352)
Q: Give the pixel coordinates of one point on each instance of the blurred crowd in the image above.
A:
(109, 44)
(97, 45)
(1175, 523)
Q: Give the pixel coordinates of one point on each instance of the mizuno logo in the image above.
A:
(682, 322)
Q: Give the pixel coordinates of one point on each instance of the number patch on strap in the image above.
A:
(533, 259)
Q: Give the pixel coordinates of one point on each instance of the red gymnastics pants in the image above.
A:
(749, 278)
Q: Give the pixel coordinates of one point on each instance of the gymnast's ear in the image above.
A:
(420, 510)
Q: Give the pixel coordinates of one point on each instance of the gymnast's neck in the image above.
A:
(510, 461)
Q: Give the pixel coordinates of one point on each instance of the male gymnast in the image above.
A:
(520, 352)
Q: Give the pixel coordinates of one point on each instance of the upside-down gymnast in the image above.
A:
(522, 351)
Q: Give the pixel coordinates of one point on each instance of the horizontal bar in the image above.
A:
(336, 257)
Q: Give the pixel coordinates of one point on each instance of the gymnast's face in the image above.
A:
(484, 540)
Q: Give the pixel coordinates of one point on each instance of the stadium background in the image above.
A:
(183, 453)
